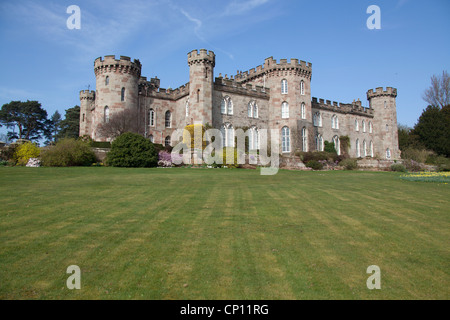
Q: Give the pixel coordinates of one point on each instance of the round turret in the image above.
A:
(117, 88)
(383, 104)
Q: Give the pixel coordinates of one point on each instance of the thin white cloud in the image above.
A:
(197, 22)
(240, 7)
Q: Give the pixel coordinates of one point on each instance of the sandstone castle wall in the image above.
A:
(120, 87)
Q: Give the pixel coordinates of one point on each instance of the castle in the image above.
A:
(276, 95)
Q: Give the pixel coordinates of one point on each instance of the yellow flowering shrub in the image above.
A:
(26, 151)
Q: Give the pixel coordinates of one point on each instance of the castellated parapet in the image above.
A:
(202, 57)
(122, 65)
(380, 92)
(346, 108)
(270, 67)
(232, 86)
(87, 95)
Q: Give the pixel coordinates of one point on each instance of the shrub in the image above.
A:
(3, 163)
(193, 136)
(418, 155)
(318, 156)
(25, 151)
(165, 159)
(442, 162)
(412, 165)
(223, 153)
(68, 152)
(329, 147)
(349, 164)
(398, 167)
(132, 150)
(314, 164)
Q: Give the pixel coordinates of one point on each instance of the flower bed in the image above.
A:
(443, 177)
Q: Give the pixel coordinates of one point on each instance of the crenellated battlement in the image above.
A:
(233, 86)
(380, 92)
(348, 108)
(165, 94)
(202, 56)
(87, 95)
(122, 65)
(270, 64)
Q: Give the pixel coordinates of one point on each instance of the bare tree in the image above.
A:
(438, 94)
(119, 123)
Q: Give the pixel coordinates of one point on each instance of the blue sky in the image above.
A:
(43, 60)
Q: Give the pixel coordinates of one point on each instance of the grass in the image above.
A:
(221, 234)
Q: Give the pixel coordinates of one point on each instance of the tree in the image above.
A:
(432, 129)
(70, 126)
(438, 94)
(29, 117)
(120, 123)
(408, 139)
(54, 126)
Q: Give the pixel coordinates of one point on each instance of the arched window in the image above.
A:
(370, 127)
(253, 139)
(302, 88)
(223, 131)
(319, 143)
(152, 140)
(83, 117)
(284, 86)
(388, 153)
(364, 148)
(227, 131)
(230, 107)
(337, 145)
(106, 114)
(371, 149)
(252, 109)
(303, 111)
(304, 139)
(317, 119)
(168, 119)
(285, 139)
(356, 125)
(106, 80)
(187, 108)
(387, 127)
(285, 110)
(226, 106)
(364, 126)
(223, 106)
(151, 118)
(358, 149)
(167, 141)
(122, 95)
(334, 122)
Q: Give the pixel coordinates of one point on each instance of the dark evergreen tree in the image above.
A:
(70, 126)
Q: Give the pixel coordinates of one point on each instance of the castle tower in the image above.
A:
(117, 88)
(385, 129)
(87, 104)
(290, 85)
(201, 82)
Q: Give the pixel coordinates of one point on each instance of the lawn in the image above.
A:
(221, 234)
